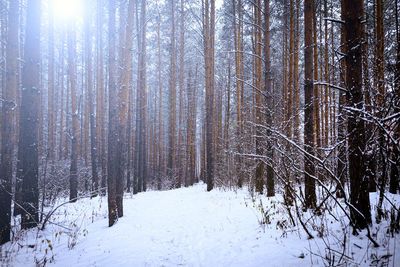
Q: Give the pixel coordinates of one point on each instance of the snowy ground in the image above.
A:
(191, 227)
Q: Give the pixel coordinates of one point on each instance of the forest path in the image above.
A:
(187, 226)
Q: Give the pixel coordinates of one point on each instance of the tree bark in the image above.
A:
(90, 91)
(269, 99)
(309, 105)
(172, 98)
(7, 123)
(113, 119)
(74, 134)
(259, 175)
(359, 197)
(28, 161)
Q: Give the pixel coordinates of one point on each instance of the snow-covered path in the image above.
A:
(188, 227)
(182, 227)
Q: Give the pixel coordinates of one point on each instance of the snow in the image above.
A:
(188, 227)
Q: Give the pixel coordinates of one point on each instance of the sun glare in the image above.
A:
(67, 9)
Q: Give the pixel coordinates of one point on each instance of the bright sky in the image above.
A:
(67, 9)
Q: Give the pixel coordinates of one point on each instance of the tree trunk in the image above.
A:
(100, 99)
(51, 111)
(341, 171)
(62, 99)
(308, 103)
(172, 99)
(113, 119)
(317, 133)
(395, 163)
(160, 150)
(269, 99)
(359, 196)
(28, 161)
(208, 34)
(296, 105)
(181, 69)
(128, 84)
(259, 175)
(74, 135)
(89, 89)
(7, 122)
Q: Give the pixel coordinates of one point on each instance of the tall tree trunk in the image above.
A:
(62, 99)
(359, 196)
(284, 65)
(100, 99)
(128, 84)
(326, 70)
(259, 175)
(141, 104)
(160, 150)
(290, 88)
(228, 106)
(296, 104)
(172, 98)
(395, 162)
(7, 122)
(208, 34)
(237, 28)
(113, 119)
(269, 99)
(341, 171)
(67, 129)
(28, 160)
(90, 90)
(73, 175)
(51, 111)
(317, 133)
(181, 69)
(308, 103)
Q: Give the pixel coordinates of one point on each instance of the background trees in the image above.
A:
(109, 82)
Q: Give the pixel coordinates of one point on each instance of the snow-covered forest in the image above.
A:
(199, 133)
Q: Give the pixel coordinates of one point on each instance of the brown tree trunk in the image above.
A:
(208, 36)
(326, 70)
(62, 99)
(308, 103)
(28, 165)
(228, 107)
(181, 66)
(160, 150)
(284, 66)
(269, 99)
(51, 111)
(100, 100)
(128, 84)
(73, 175)
(394, 167)
(359, 196)
(317, 133)
(90, 91)
(8, 122)
(172, 98)
(290, 88)
(141, 104)
(296, 75)
(259, 175)
(113, 119)
(341, 171)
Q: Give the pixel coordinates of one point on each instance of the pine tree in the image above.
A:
(28, 165)
(8, 122)
(309, 168)
(359, 196)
